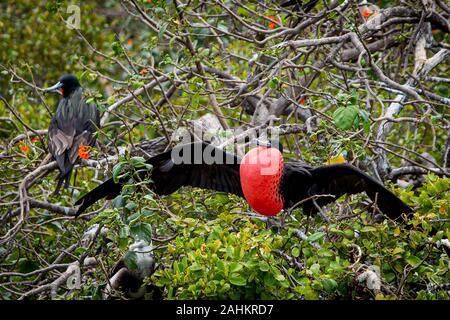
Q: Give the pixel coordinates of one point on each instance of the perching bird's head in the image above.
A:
(65, 85)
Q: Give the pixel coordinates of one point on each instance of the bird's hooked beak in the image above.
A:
(54, 88)
(258, 142)
(269, 144)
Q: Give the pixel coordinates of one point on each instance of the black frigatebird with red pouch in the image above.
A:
(262, 177)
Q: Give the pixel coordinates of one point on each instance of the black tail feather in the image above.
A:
(62, 178)
(109, 189)
(58, 187)
(65, 172)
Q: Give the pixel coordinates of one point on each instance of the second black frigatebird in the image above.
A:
(261, 177)
(73, 125)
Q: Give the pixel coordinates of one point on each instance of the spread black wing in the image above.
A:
(74, 123)
(196, 164)
(301, 182)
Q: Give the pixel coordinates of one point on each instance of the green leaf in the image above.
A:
(235, 267)
(354, 97)
(133, 217)
(79, 251)
(397, 251)
(124, 232)
(182, 265)
(368, 229)
(274, 82)
(131, 205)
(130, 260)
(118, 202)
(295, 252)
(263, 266)
(141, 231)
(389, 276)
(349, 233)
(117, 49)
(364, 115)
(366, 127)
(162, 30)
(242, 11)
(329, 285)
(137, 162)
(220, 266)
(117, 170)
(147, 213)
(315, 236)
(341, 97)
(315, 268)
(137, 84)
(323, 252)
(310, 294)
(269, 280)
(195, 100)
(336, 266)
(413, 261)
(280, 277)
(167, 59)
(307, 252)
(345, 117)
(148, 196)
(237, 280)
(196, 267)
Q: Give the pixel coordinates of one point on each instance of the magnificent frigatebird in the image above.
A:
(73, 125)
(262, 177)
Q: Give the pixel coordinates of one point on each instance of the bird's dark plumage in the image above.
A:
(169, 177)
(74, 123)
(299, 181)
(336, 180)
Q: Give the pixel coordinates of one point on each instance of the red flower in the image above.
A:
(366, 12)
(301, 101)
(273, 22)
(83, 152)
(24, 148)
(34, 140)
